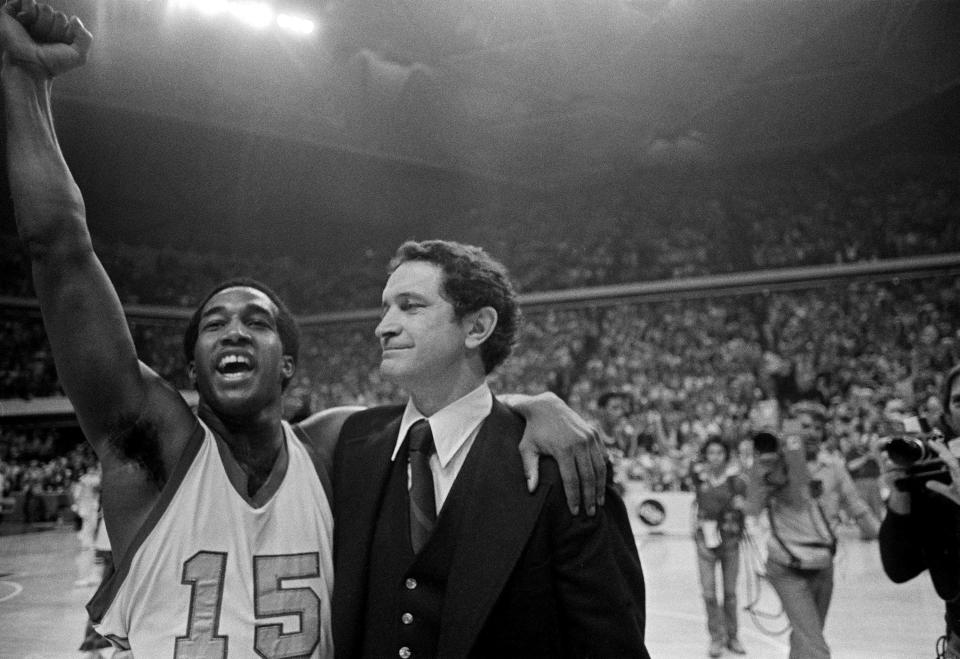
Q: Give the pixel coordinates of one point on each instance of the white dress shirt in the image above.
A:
(454, 429)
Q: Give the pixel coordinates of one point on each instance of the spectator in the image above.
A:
(720, 497)
(613, 408)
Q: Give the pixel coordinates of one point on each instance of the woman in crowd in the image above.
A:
(720, 495)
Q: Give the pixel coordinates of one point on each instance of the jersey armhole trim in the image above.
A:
(103, 598)
(322, 467)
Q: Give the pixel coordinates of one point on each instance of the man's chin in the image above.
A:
(240, 401)
(230, 405)
(393, 371)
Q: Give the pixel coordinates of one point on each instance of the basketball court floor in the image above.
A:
(42, 615)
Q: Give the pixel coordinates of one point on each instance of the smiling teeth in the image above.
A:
(232, 359)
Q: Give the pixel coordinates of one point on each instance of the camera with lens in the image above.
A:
(780, 465)
(908, 447)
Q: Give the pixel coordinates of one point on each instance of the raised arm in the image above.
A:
(92, 347)
(855, 506)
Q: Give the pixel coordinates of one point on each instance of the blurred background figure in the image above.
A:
(618, 435)
(613, 408)
(802, 489)
(94, 560)
(86, 505)
(860, 452)
(720, 496)
(93, 645)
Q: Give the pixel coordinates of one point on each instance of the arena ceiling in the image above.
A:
(551, 90)
(535, 91)
(178, 109)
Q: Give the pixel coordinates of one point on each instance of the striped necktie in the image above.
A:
(423, 504)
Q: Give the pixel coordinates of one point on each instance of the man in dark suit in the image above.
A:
(440, 551)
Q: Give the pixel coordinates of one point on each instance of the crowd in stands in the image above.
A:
(700, 368)
(26, 365)
(694, 368)
(653, 226)
(36, 467)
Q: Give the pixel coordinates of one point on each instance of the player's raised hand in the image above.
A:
(40, 39)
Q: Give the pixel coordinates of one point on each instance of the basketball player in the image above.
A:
(220, 521)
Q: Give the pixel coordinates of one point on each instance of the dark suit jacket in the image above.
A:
(527, 579)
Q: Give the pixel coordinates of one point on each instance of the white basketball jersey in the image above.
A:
(215, 577)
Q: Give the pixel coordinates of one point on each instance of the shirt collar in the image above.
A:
(452, 425)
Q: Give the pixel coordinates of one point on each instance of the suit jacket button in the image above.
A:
(405, 652)
(410, 583)
(406, 618)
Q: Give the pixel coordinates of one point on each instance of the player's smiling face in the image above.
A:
(239, 364)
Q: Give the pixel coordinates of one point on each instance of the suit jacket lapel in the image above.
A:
(498, 515)
(364, 471)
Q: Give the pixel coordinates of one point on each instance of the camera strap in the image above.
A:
(795, 561)
(826, 523)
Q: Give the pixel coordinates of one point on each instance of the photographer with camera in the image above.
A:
(802, 489)
(921, 530)
(717, 530)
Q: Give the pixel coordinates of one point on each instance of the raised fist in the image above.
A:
(40, 39)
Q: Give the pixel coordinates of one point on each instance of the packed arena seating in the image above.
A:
(708, 223)
(26, 365)
(37, 468)
(819, 342)
(693, 367)
(654, 226)
(32, 458)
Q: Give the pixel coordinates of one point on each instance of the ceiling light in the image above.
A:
(209, 7)
(295, 24)
(255, 14)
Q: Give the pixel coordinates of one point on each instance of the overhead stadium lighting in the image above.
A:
(295, 24)
(210, 7)
(255, 14)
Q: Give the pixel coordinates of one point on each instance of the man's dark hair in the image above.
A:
(286, 325)
(472, 279)
(607, 396)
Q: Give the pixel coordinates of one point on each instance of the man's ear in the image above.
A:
(192, 372)
(480, 325)
(288, 366)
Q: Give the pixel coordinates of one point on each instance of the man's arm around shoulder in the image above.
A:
(323, 430)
